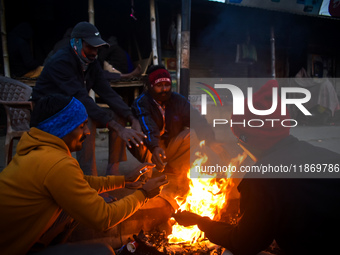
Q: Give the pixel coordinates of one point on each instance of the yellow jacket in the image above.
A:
(41, 180)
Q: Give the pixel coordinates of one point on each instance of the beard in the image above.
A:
(160, 97)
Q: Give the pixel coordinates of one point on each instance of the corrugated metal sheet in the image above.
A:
(305, 7)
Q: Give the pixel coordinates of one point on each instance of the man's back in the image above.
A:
(301, 212)
(64, 65)
(25, 188)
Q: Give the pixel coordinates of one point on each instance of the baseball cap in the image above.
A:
(89, 33)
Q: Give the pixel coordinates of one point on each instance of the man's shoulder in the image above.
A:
(178, 101)
(63, 54)
(141, 98)
(177, 96)
(64, 60)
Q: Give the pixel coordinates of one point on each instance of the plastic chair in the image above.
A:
(14, 95)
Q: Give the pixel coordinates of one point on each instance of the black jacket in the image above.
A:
(63, 74)
(179, 114)
(302, 215)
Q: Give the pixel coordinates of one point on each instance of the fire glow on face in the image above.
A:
(207, 197)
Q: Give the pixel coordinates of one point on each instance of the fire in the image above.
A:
(207, 197)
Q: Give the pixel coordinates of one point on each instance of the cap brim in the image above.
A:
(96, 41)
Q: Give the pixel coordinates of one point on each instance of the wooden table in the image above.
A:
(136, 84)
(125, 84)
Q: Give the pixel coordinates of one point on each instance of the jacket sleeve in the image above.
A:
(70, 190)
(141, 108)
(107, 94)
(254, 231)
(107, 183)
(67, 77)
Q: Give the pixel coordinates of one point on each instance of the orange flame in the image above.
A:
(207, 197)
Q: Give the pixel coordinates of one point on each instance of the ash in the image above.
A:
(156, 243)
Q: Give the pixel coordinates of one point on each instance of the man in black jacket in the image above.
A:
(74, 71)
(165, 118)
(297, 209)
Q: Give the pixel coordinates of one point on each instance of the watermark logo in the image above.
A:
(204, 97)
(239, 100)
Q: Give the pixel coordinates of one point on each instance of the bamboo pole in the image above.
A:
(91, 12)
(4, 40)
(91, 20)
(153, 32)
(185, 51)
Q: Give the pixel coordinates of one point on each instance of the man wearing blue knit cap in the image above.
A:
(44, 192)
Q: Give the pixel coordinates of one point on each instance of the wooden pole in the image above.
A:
(153, 32)
(185, 51)
(91, 12)
(158, 32)
(91, 20)
(4, 40)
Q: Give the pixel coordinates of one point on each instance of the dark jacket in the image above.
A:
(179, 114)
(63, 74)
(302, 215)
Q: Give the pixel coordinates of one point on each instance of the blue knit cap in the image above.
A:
(66, 120)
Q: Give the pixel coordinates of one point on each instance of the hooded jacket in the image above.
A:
(42, 180)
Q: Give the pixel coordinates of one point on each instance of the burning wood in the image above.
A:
(156, 243)
(207, 196)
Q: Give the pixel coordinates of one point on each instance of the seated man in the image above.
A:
(299, 212)
(165, 119)
(44, 191)
(117, 61)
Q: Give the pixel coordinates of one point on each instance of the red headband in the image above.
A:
(159, 75)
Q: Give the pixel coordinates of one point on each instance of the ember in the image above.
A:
(156, 243)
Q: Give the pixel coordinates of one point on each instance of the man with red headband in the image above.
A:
(165, 119)
(297, 210)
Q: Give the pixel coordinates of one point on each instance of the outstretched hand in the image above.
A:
(154, 186)
(135, 125)
(186, 218)
(158, 154)
(130, 136)
(140, 170)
